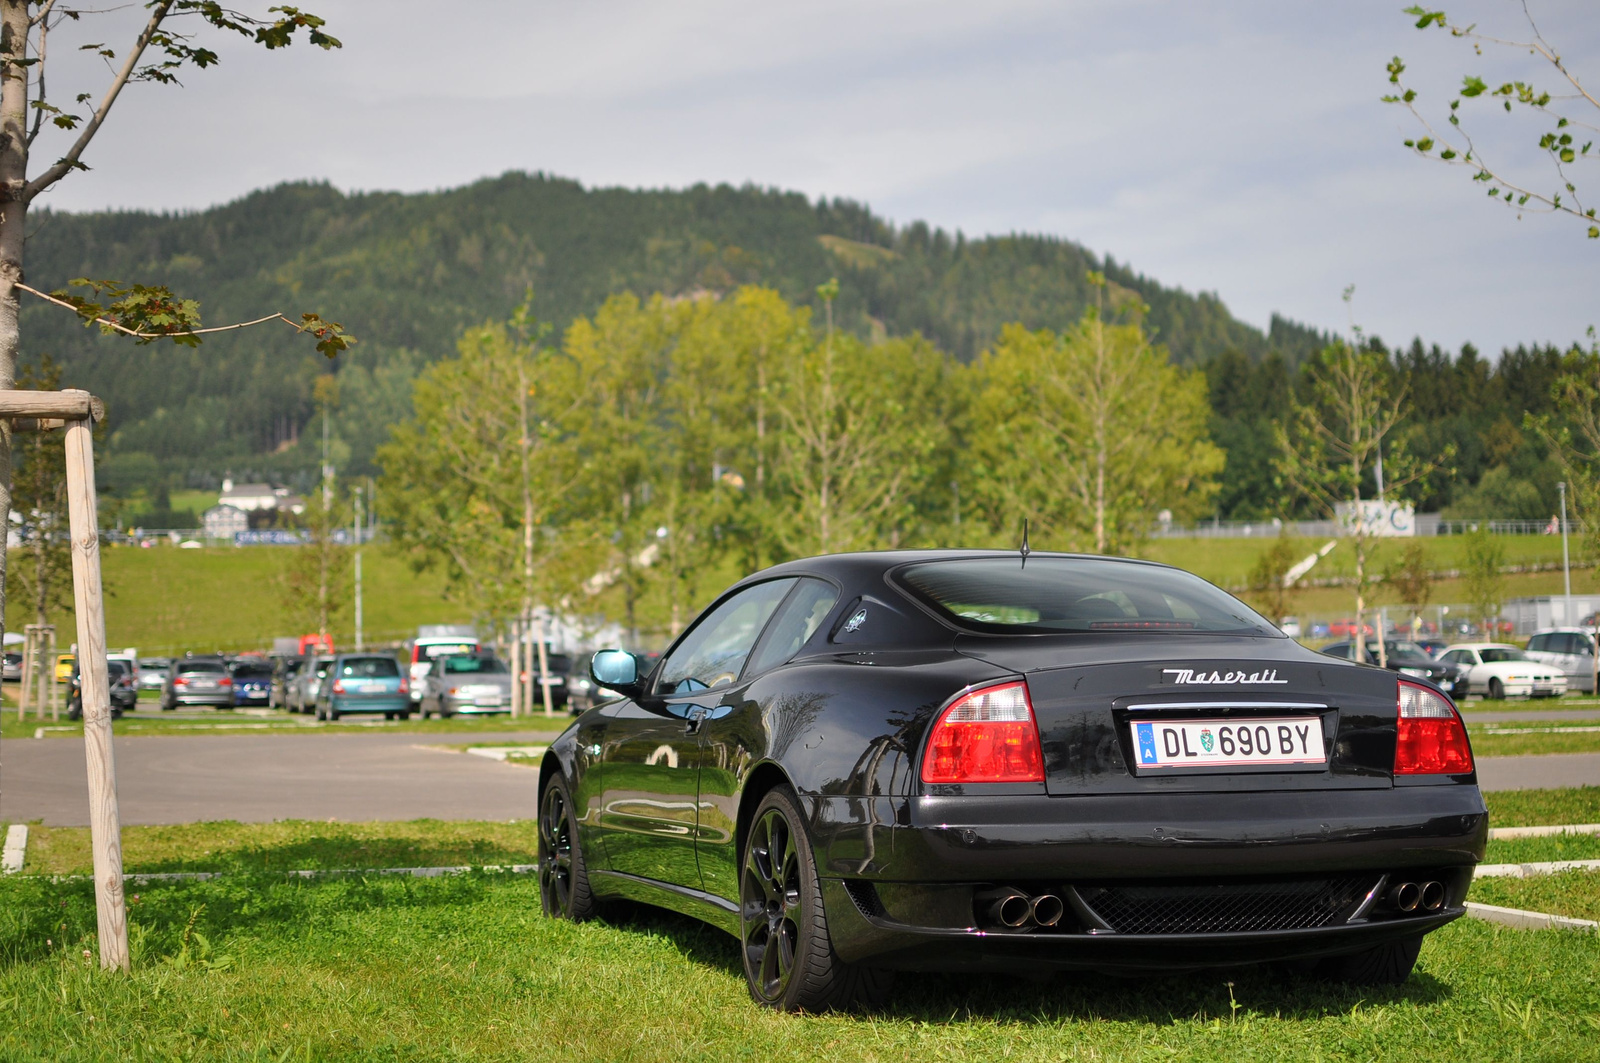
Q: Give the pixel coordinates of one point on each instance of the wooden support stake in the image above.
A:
(105, 830)
(544, 665)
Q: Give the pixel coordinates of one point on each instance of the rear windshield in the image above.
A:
(1060, 594)
(370, 668)
(1496, 654)
(116, 668)
(252, 671)
(478, 665)
(200, 668)
(441, 649)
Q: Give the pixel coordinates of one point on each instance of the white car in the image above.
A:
(1497, 671)
(1568, 649)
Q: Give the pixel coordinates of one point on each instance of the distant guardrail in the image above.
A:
(1427, 524)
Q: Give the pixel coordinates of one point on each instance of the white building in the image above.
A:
(253, 497)
(223, 521)
(1548, 610)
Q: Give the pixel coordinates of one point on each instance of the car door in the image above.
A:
(1476, 677)
(650, 763)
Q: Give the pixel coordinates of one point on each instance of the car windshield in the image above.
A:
(473, 665)
(201, 668)
(1496, 654)
(252, 670)
(1400, 650)
(117, 669)
(442, 649)
(369, 668)
(1077, 594)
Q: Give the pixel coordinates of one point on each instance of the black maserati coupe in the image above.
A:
(943, 760)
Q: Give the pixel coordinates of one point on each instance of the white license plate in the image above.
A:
(374, 688)
(1219, 743)
(492, 699)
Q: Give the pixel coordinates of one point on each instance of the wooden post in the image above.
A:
(28, 651)
(516, 668)
(544, 664)
(105, 831)
(47, 676)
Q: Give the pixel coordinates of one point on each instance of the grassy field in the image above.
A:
(1534, 738)
(464, 968)
(148, 720)
(1536, 808)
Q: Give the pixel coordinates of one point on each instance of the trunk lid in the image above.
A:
(1088, 693)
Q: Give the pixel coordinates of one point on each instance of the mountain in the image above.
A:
(407, 272)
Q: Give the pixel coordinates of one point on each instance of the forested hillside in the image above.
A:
(407, 273)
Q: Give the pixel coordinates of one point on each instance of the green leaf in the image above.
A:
(1594, 233)
(1447, 154)
(1473, 86)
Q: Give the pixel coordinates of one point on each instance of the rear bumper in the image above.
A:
(221, 699)
(346, 705)
(468, 707)
(918, 862)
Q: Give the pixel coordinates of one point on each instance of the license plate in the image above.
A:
(374, 688)
(1220, 743)
(491, 699)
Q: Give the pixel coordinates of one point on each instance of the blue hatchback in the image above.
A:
(363, 682)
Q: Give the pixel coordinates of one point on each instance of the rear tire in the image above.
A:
(1386, 964)
(789, 962)
(563, 876)
(1497, 690)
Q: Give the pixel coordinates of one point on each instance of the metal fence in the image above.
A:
(1427, 524)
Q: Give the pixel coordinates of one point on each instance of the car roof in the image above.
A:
(1482, 646)
(1564, 631)
(870, 565)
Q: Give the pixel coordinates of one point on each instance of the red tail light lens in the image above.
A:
(338, 686)
(1432, 738)
(405, 688)
(224, 682)
(987, 735)
(180, 681)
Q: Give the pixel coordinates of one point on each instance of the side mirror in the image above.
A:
(617, 670)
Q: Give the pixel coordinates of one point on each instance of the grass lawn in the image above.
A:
(466, 968)
(1534, 738)
(257, 967)
(150, 721)
(1537, 808)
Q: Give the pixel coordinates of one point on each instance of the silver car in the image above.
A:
(1570, 649)
(307, 684)
(466, 684)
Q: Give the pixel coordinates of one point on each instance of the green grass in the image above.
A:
(288, 845)
(153, 722)
(1571, 893)
(1538, 808)
(1535, 740)
(1574, 703)
(465, 968)
(1538, 850)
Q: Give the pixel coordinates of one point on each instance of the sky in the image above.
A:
(1235, 148)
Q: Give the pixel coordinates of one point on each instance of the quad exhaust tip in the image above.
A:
(1410, 896)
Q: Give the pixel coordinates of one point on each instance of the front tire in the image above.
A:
(563, 876)
(1497, 690)
(789, 962)
(1386, 964)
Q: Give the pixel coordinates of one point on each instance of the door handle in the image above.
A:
(696, 717)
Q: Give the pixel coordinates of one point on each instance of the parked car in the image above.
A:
(252, 680)
(466, 683)
(1570, 649)
(307, 684)
(1407, 658)
(1290, 625)
(13, 667)
(363, 682)
(153, 672)
(1500, 671)
(284, 671)
(65, 663)
(124, 693)
(933, 760)
(1346, 628)
(559, 665)
(431, 643)
(1433, 646)
(197, 681)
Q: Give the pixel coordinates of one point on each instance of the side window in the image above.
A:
(804, 612)
(1539, 643)
(714, 651)
(1454, 657)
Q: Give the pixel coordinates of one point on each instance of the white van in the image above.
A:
(1570, 649)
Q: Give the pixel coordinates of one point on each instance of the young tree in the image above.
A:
(1270, 590)
(1089, 433)
(39, 495)
(1411, 579)
(162, 49)
(1486, 556)
(316, 592)
(1563, 123)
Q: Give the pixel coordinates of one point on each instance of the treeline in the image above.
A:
(1469, 414)
(662, 444)
(408, 273)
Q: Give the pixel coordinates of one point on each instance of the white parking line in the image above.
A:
(16, 849)
(1548, 867)
(1500, 833)
(1524, 920)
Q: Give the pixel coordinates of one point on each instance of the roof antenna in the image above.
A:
(1025, 548)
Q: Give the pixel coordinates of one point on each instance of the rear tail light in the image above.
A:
(224, 682)
(180, 681)
(405, 688)
(338, 686)
(987, 735)
(1432, 739)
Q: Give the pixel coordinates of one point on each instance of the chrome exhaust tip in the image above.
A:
(1047, 909)
(1432, 896)
(1406, 896)
(1006, 906)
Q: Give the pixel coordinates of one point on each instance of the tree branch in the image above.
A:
(69, 162)
(136, 334)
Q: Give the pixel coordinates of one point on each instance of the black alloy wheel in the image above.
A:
(789, 962)
(1386, 964)
(1497, 690)
(563, 879)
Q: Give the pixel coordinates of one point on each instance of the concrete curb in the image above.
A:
(1547, 867)
(16, 850)
(414, 872)
(1516, 917)
(1502, 833)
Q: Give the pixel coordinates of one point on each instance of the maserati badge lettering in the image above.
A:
(1190, 677)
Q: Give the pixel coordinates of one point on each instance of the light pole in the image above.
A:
(355, 527)
(1566, 567)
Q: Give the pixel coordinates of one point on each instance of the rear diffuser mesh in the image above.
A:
(1209, 908)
